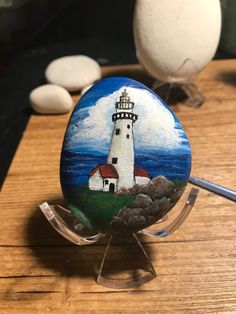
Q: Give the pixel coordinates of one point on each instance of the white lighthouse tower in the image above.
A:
(121, 154)
(119, 171)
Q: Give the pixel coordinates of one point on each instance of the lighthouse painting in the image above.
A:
(120, 170)
(125, 159)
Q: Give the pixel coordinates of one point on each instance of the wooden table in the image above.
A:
(41, 272)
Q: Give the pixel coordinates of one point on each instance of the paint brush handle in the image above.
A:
(213, 187)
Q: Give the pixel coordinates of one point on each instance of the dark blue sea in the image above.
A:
(75, 166)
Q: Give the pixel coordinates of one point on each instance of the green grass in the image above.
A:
(179, 184)
(95, 209)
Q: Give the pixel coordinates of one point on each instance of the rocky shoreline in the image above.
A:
(151, 203)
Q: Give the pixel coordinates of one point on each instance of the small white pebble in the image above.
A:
(50, 99)
(73, 72)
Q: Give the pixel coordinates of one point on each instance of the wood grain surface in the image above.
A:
(40, 272)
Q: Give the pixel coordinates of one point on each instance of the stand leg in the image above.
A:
(125, 274)
(194, 94)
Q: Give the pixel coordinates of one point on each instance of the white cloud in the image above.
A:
(155, 127)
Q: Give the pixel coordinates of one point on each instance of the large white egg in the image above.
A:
(175, 39)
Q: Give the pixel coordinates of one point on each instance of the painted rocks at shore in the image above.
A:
(125, 159)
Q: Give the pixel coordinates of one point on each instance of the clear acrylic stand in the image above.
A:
(67, 225)
(194, 96)
(126, 274)
(126, 265)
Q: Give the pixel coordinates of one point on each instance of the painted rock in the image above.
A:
(125, 159)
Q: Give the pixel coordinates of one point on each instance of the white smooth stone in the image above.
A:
(175, 39)
(85, 89)
(51, 99)
(73, 72)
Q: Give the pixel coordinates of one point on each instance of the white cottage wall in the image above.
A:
(141, 180)
(96, 181)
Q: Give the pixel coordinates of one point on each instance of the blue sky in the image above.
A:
(91, 124)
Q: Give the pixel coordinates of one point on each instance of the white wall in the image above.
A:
(96, 181)
(141, 180)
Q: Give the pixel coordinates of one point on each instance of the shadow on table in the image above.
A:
(135, 73)
(58, 254)
(228, 77)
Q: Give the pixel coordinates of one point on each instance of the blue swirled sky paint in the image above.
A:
(160, 144)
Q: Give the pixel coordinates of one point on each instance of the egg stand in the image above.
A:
(70, 228)
(195, 97)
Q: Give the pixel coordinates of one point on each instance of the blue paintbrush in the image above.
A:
(213, 187)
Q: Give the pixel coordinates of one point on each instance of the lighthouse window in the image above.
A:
(117, 131)
(114, 160)
(127, 136)
(128, 126)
